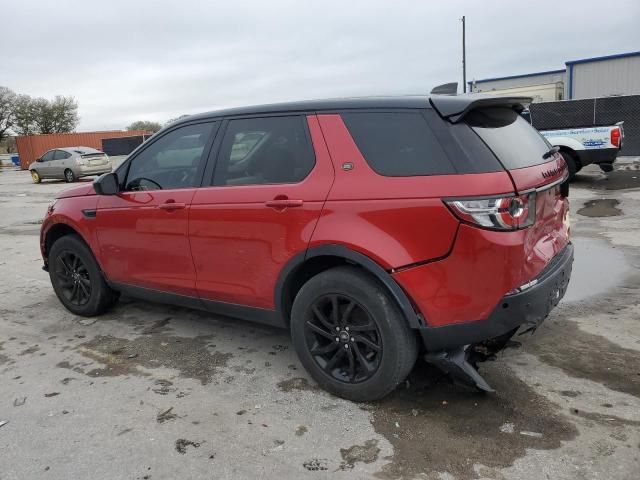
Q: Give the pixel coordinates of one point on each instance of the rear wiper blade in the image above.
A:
(552, 151)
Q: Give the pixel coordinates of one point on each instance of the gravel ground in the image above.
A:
(153, 392)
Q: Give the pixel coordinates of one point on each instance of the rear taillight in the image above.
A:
(615, 136)
(81, 161)
(499, 213)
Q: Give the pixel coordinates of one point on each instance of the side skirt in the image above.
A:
(243, 312)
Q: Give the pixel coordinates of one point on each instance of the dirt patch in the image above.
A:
(182, 444)
(163, 387)
(296, 383)
(190, 356)
(166, 415)
(367, 453)
(435, 426)
(316, 464)
(583, 355)
(606, 420)
(301, 430)
(4, 359)
(31, 350)
(604, 207)
(570, 393)
(156, 327)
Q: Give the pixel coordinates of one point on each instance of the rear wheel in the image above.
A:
(35, 176)
(350, 335)
(572, 165)
(69, 176)
(77, 279)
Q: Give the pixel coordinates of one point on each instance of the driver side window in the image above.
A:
(172, 161)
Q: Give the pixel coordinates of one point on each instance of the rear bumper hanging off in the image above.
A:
(528, 308)
(449, 347)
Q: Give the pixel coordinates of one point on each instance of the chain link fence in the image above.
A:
(592, 112)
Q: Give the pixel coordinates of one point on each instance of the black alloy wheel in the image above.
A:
(73, 278)
(343, 338)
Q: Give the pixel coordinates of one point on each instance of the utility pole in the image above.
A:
(464, 59)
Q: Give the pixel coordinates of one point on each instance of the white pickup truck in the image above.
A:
(583, 146)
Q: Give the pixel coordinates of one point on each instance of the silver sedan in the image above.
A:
(70, 163)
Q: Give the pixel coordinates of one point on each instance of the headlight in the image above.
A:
(51, 206)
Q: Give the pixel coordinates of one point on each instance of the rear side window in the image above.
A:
(398, 144)
(61, 155)
(259, 151)
(514, 141)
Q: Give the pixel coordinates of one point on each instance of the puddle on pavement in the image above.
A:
(597, 267)
(579, 354)
(435, 426)
(623, 177)
(603, 207)
(190, 356)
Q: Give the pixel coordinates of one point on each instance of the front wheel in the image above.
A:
(69, 176)
(35, 176)
(76, 278)
(350, 335)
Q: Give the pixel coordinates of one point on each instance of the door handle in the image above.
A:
(282, 203)
(171, 205)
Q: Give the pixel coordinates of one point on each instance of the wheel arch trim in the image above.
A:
(293, 266)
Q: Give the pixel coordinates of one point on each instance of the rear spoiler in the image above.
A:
(455, 107)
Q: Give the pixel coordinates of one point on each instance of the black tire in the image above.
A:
(35, 176)
(73, 272)
(376, 372)
(69, 176)
(572, 165)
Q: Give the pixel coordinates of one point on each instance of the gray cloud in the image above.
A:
(126, 61)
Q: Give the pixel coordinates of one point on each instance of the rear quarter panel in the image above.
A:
(396, 221)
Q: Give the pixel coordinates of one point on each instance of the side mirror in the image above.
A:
(106, 184)
(38, 159)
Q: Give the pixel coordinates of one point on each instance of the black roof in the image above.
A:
(446, 105)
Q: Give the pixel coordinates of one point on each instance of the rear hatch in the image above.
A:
(534, 170)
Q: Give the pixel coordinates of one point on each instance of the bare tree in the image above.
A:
(38, 115)
(176, 119)
(23, 115)
(7, 101)
(145, 125)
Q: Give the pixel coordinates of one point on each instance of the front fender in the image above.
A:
(74, 214)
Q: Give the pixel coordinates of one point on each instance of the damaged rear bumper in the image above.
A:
(448, 346)
(528, 308)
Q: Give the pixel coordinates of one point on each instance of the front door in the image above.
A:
(142, 231)
(265, 199)
(45, 165)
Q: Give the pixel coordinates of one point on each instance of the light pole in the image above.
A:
(464, 58)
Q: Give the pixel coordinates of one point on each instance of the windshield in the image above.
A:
(511, 138)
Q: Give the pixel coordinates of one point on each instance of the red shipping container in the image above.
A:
(31, 147)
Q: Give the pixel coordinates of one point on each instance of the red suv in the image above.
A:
(370, 228)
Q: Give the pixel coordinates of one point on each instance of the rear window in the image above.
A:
(398, 144)
(516, 143)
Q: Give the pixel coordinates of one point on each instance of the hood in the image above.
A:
(78, 191)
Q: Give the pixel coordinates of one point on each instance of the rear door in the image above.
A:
(521, 150)
(142, 231)
(61, 162)
(261, 207)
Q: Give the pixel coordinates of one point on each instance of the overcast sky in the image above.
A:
(154, 60)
